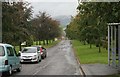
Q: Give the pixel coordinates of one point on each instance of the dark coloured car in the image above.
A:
(42, 50)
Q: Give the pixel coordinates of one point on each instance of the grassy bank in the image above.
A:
(87, 55)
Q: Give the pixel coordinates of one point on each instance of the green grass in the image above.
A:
(17, 48)
(88, 55)
(34, 43)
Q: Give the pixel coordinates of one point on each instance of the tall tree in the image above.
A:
(45, 28)
(93, 18)
(15, 19)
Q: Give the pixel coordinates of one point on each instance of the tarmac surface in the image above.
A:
(60, 61)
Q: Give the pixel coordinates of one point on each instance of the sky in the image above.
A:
(55, 7)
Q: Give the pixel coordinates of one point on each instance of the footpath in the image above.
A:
(98, 69)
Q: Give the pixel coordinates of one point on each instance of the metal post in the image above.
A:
(112, 46)
(119, 46)
(111, 42)
(0, 21)
(115, 64)
(109, 45)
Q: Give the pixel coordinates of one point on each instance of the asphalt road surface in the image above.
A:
(60, 61)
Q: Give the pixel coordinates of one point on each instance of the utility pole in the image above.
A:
(0, 21)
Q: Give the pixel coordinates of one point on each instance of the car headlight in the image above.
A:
(35, 56)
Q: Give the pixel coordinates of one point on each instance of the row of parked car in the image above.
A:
(10, 60)
(33, 54)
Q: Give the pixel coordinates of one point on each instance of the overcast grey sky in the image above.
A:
(55, 8)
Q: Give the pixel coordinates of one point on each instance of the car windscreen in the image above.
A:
(2, 52)
(29, 50)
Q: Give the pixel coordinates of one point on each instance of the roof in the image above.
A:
(29, 47)
(3, 44)
(112, 24)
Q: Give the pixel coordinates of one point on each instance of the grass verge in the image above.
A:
(87, 55)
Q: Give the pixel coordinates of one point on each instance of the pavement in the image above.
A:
(98, 69)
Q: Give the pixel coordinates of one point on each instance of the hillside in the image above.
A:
(64, 20)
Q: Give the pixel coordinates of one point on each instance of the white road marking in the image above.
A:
(39, 69)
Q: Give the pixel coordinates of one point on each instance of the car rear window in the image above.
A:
(2, 52)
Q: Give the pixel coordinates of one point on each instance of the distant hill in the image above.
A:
(64, 20)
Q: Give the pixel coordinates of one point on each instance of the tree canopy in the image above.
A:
(19, 26)
(91, 21)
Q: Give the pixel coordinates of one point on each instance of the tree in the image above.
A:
(45, 28)
(92, 20)
(15, 22)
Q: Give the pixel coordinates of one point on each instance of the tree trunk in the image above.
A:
(47, 42)
(99, 49)
(90, 45)
(99, 45)
(39, 42)
(43, 42)
(20, 47)
(84, 43)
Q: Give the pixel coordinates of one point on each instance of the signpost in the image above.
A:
(114, 44)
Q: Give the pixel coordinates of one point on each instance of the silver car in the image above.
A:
(30, 54)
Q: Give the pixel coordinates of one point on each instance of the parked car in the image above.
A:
(42, 51)
(30, 54)
(9, 59)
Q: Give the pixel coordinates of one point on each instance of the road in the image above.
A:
(60, 61)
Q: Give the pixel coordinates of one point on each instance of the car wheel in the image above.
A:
(19, 69)
(45, 55)
(9, 73)
(38, 60)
